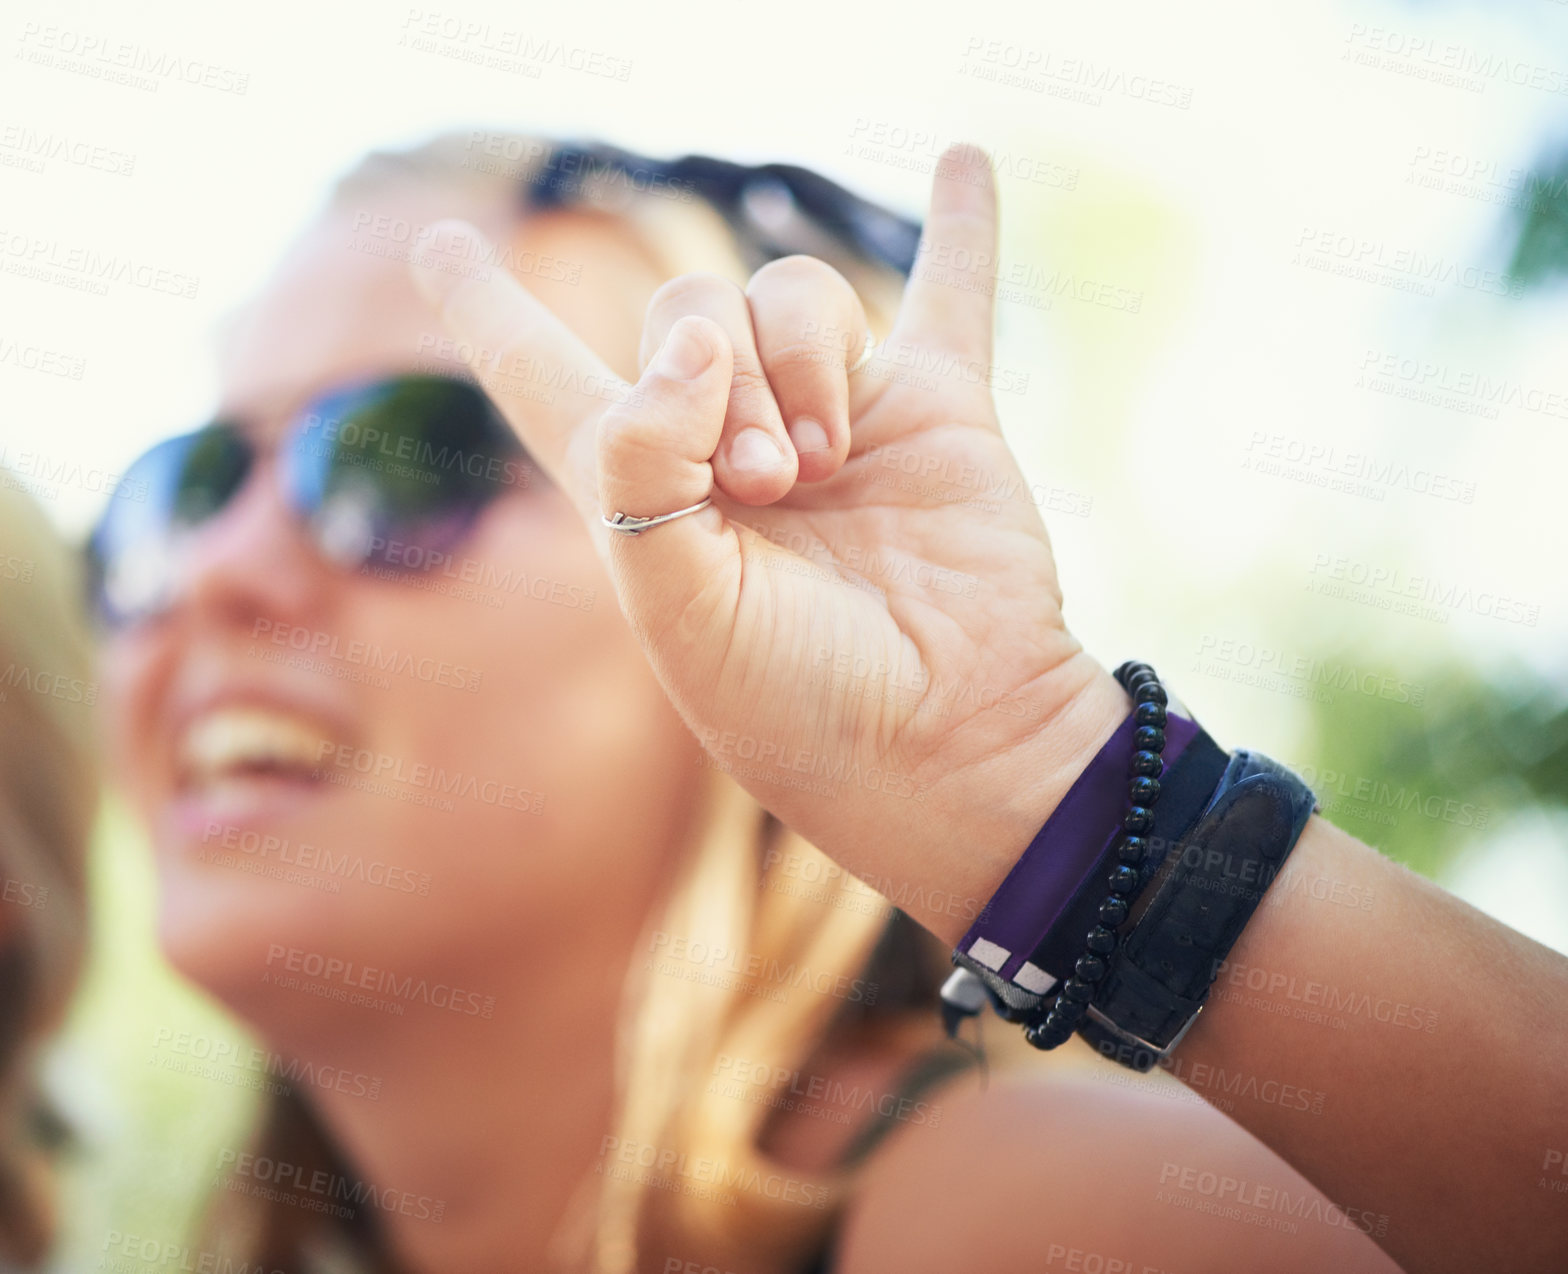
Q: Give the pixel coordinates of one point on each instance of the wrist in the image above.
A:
(1038, 773)
(986, 814)
(1092, 708)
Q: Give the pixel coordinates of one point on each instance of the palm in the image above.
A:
(899, 621)
(860, 644)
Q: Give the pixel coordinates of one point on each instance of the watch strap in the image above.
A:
(1160, 976)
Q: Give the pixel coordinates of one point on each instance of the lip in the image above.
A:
(263, 802)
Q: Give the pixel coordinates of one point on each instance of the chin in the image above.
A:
(224, 930)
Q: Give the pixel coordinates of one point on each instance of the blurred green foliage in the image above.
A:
(148, 1130)
(1541, 229)
(1425, 783)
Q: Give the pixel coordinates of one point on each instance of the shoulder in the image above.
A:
(1095, 1171)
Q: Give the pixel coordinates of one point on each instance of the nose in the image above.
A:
(253, 561)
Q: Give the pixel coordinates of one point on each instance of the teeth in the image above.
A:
(227, 740)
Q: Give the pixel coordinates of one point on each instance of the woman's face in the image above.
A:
(413, 774)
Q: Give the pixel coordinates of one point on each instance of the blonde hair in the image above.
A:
(733, 897)
(727, 897)
(48, 799)
(731, 893)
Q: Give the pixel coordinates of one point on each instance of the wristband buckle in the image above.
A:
(1126, 1039)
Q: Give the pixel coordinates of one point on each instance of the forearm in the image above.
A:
(1403, 1051)
(1437, 1039)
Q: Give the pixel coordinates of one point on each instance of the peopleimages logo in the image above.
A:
(1355, 472)
(849, 668)
(1555, 1163)
(1381, 795)
(1018, 280)
(768, 761)
(432, 780)
(248, 1066)
(518, 49)
(1425, 596)
(919, 150)
(1405, 268)
(714, 964)
(332, 1189)
(85, 268)
(1314, 995)
(116, 61)
(353, 442)
(784, 1088)
(335, 974)
(63, 471)
(36, 149)
(1229, 1196)
(1445, 62)
(416, 565)
(969, 482)
(137, 1253)
(699, 1171)
(1074, 78)
(308, 858)
(1314, 670)
(36, 358)
(914, 899)
(317, 644)
(52, 685)
(21, 569)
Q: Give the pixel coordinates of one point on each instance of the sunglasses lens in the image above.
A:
(134, 553)
(214, 468)
(394, 473)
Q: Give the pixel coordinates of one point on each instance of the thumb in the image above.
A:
(654, 457)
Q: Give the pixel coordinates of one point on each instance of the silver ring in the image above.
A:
(865, 355)
(628, 525)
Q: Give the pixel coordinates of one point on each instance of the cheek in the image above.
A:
(132, 669)
(523, 606)
(524, 669)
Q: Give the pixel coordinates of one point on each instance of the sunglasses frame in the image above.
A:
(773, 210)
(309, 465)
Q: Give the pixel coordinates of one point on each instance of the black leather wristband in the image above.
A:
(1161, 974)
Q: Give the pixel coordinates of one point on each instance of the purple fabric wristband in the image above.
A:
(1061, 856)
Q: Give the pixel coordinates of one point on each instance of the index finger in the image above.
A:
(547, 383)
(948, 304)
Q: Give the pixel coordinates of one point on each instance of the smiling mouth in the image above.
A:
(248, 747)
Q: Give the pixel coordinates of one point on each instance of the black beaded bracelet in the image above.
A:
(1127, 880)
(1135, 984)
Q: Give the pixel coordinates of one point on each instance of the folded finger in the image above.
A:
(810, 325)
(754, 462)
(653, 458)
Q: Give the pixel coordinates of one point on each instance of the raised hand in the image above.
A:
(865, 626)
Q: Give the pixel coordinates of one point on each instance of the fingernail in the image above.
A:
(684, 355)
(808, 435)
(754, 451)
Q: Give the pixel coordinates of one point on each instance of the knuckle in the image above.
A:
(655, 416)
(802, 359)
(686, 291)
(627, 462)
(796, 271)
(625, 430)
(748, 380)
(617, 424)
